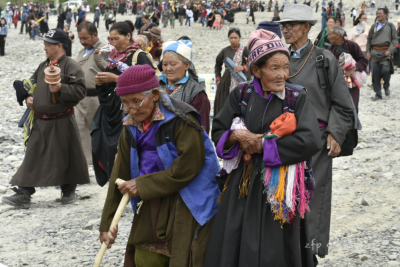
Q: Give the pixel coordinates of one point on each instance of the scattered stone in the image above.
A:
(88, 227)
(395, 243)
(364, 257)
(3, 189)
(73, 257)
(373, 175)
(84, 196)
(364, 202)
(385, 243)
(392, 257)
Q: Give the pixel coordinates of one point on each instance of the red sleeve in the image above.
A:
(202, 104)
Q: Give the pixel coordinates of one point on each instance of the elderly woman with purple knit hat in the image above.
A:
(266, 134)
(169, 164)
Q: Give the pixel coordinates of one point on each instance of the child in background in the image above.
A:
(34, 29)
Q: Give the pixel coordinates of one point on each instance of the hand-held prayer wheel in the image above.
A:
(117, 216)
(52, 76)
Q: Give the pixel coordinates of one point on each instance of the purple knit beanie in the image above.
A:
(136, 79)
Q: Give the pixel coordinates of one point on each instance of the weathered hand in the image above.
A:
(54, 88)
(369, 55)
(107, 77)
(388, 54)
(333, 146)
(249, 142)
(348, 73)
(238, 68)
(130, 188)
(97, 51)
(218, 82)
(98, 81)
(109, 238)
(29, 102)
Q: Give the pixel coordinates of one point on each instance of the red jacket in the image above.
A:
(204, 13)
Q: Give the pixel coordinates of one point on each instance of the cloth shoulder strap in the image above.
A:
(322, 75)
(244, 97)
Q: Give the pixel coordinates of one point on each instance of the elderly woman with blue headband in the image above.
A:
(181, 81)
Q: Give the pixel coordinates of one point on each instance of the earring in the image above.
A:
(187, 73)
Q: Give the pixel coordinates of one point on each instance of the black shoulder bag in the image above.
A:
(351, 140)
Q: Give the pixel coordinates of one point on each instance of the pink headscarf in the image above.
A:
(263, 42)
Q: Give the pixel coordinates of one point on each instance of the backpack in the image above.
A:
(351, 140)
(135, 58)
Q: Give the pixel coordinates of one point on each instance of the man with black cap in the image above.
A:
(319, 72)
(54, 155)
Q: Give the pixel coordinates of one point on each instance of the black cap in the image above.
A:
(56, 36)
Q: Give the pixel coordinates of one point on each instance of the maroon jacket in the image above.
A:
(354, 50)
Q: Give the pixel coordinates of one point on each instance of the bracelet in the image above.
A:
(262, 141)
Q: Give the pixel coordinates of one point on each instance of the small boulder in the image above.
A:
(364, 202)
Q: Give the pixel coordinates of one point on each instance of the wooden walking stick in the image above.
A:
(117, 216)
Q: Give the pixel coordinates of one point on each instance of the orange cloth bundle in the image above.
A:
(284, 125)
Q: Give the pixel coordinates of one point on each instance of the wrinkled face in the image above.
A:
(330, 22)
(133, 101)
(334, 38)
(174, 69)
(234, 39)
(87, 41)
(295, 34)
(52, 49)
(119, 41)
(274, 73)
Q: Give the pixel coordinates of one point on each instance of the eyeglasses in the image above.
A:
(288, 26)
(134, 106)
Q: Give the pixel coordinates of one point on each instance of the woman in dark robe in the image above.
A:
(196, 13)
(210, 19)
(245, 232)
(44, 27)
(107, 122)
(322, 38)
(226, 83)
(61, 18)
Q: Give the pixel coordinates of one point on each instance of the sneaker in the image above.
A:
(68, 197)
(21, 199)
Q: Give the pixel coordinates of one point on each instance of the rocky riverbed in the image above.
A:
(365, 207)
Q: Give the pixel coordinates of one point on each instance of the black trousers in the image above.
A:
(107, 23)
(96, 21)
(64, 188)
(2, 45)
(380, 72)
(26, 26)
